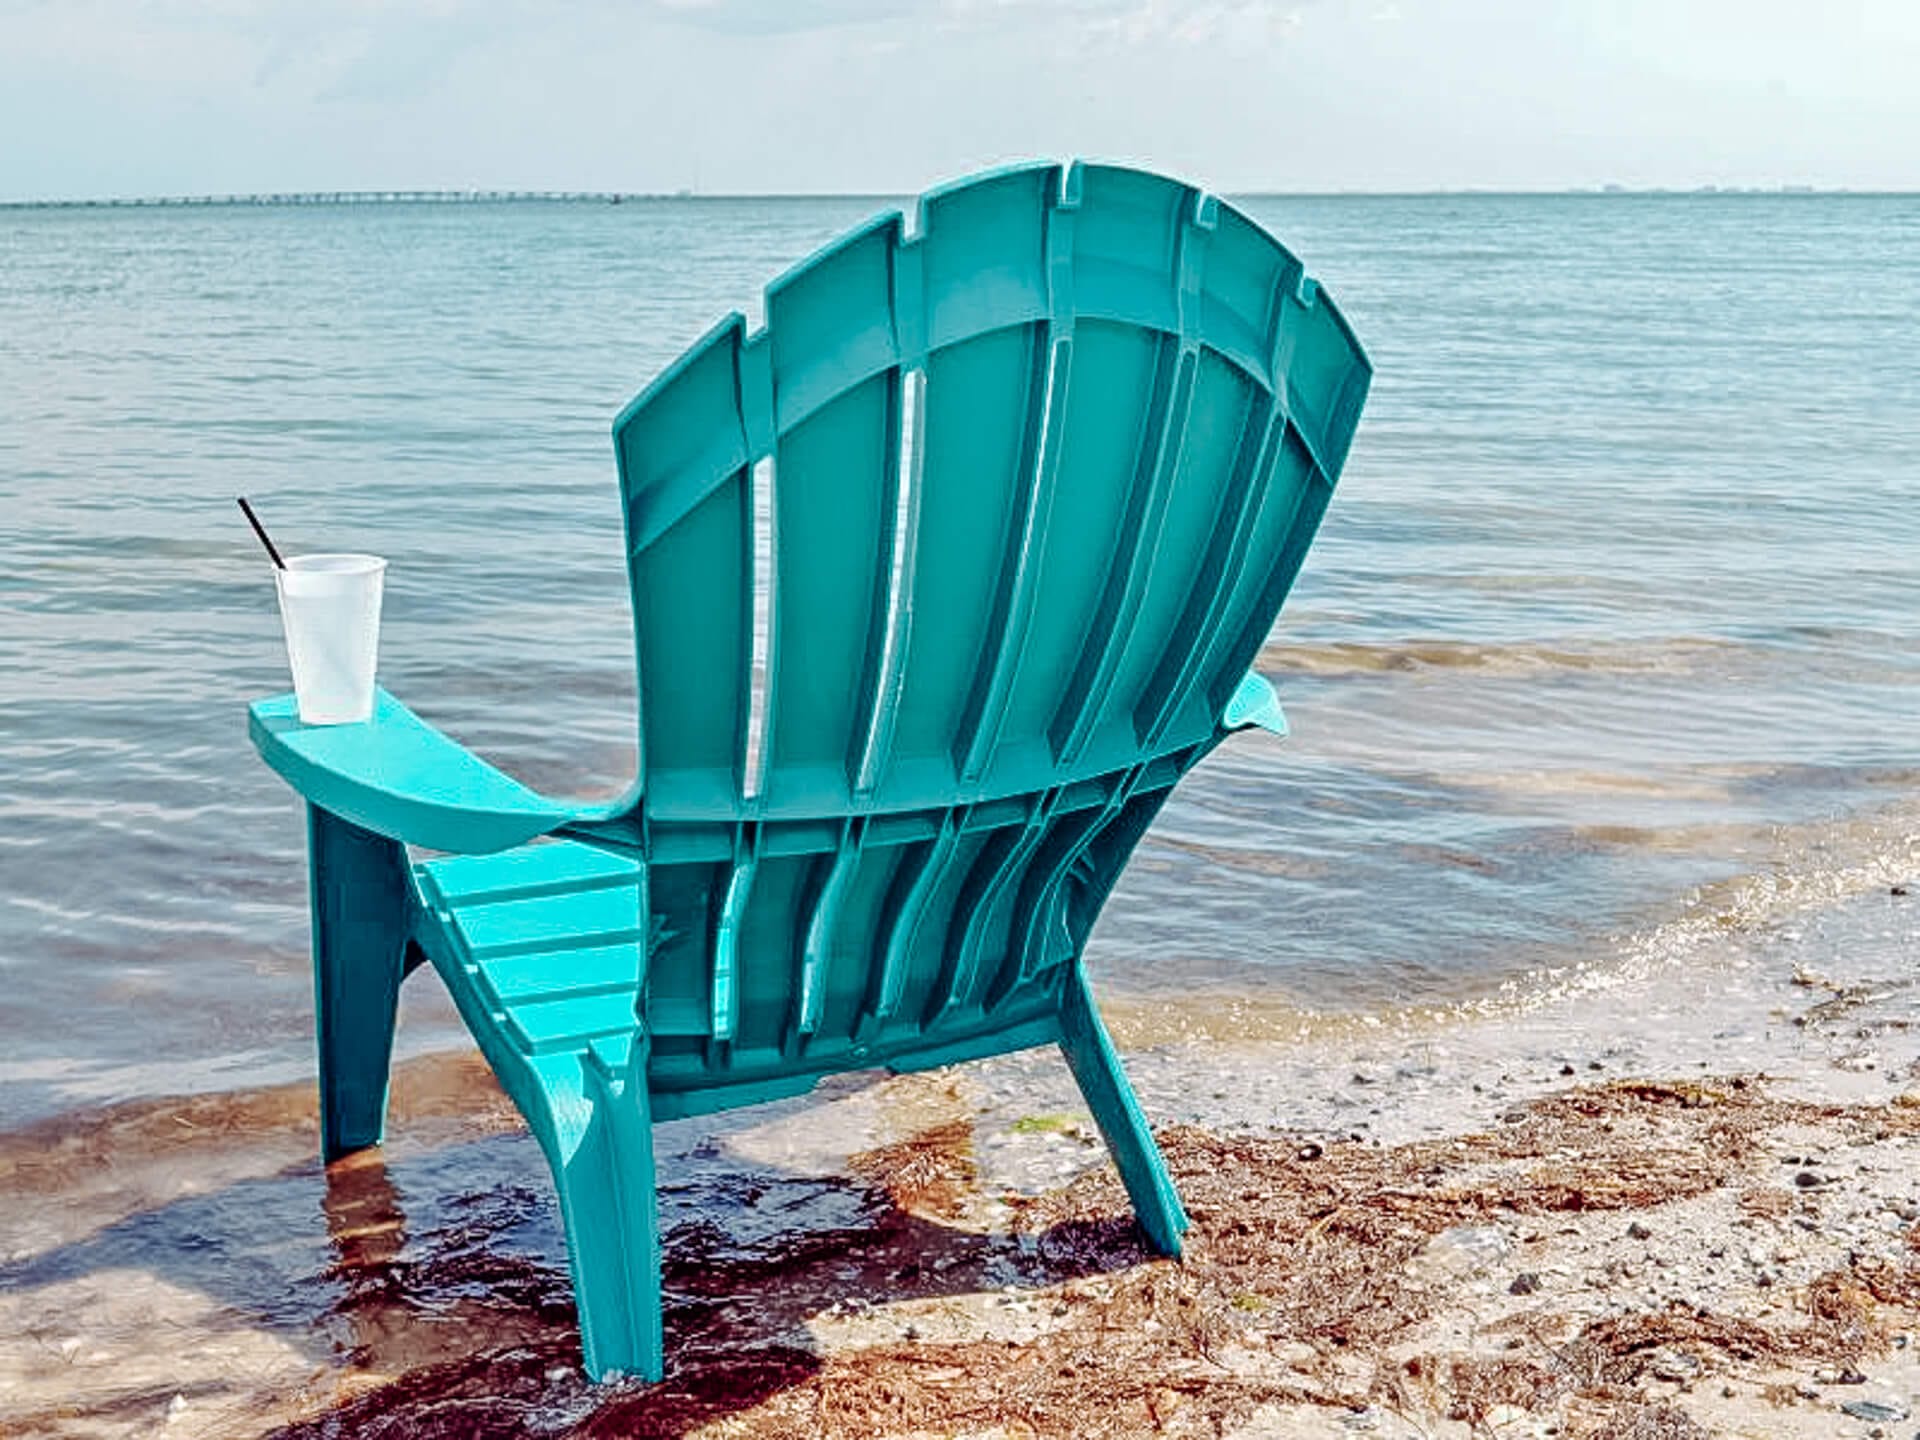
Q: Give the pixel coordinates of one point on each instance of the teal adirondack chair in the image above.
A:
(1039, 477)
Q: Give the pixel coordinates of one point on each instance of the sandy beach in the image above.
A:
(1685, 1203)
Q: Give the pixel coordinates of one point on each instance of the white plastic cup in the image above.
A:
(330, 606)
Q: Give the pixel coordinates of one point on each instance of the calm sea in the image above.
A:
(1608, 655)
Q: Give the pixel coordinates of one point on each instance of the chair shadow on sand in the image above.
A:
(445, 1309)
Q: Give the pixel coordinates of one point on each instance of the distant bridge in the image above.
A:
(351, 197)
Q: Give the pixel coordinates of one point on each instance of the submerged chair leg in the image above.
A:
(360, 893)
(608, 1204)
(1103, 1083)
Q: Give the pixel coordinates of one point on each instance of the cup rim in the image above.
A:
(336, 563)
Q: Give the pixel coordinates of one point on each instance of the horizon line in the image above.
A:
(469, 195)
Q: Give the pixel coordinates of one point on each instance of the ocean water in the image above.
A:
(1608, 655)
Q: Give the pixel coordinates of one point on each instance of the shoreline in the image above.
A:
(1583, 1218)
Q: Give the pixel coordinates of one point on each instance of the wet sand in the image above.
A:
(1686, 1204)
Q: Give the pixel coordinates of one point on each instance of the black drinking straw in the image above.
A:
(261, 531)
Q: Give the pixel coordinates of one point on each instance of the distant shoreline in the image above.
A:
(619, 197)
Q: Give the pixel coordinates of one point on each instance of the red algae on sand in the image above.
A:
(1307, 1290)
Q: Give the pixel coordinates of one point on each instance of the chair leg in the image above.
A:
(361, 892)
(1103, 1083)
(612, 1216)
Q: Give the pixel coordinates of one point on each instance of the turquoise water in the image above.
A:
(1610, 647)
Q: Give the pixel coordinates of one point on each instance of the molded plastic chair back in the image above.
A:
(1030, 488)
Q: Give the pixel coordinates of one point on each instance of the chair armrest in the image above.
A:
(1254, 703)
(398, 776)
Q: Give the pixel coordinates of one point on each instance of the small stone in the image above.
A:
(1808, 1180)
(1637, 1231)
(912, 1332)
(1463, 1251)
(1897, 890)
(1676, 1366)
(1525, 1283)
(1312, 1150)
(1875, 1412)
(1566, 1070)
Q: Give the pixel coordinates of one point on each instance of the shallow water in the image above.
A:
(1614, 610)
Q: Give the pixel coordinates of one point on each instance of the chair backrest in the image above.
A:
(1114, 408)
(983, 517)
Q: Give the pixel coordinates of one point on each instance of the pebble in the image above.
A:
(1807, 1180)
(1637, 1231)
(1525, 1283)
(1877, 1412)
(1677, 1366)
(1465, 1248)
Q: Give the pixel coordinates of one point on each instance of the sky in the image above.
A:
(164, 97)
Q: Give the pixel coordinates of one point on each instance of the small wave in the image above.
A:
(1817, 866)
(1668, 655)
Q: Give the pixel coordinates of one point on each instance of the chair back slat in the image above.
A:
(686, 479)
